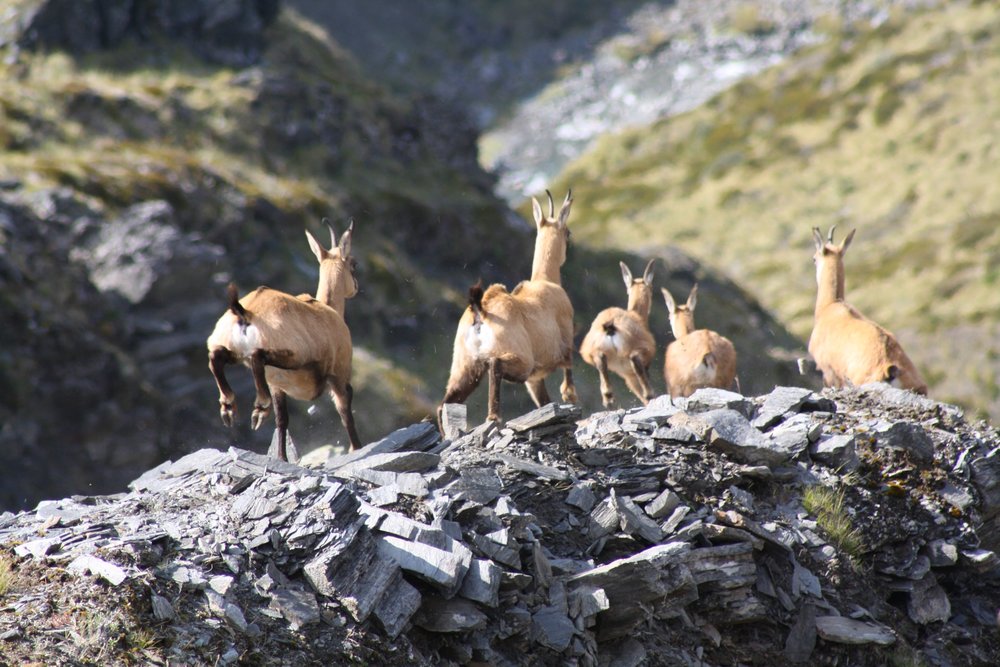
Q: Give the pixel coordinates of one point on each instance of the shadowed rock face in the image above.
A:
(228, 32)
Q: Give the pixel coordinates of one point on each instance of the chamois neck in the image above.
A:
(550, 253)
(682, 323)
(640, 299)
(333, 285)
(829, 281)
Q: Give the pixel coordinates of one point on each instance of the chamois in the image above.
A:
(848, 348)
(523, 335)
(697, 358)
(620, 339)
(294, 345)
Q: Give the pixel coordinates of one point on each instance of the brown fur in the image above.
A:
(295, 345)
(697, 358)
(849, 349)
(520, 336)
(619, 339)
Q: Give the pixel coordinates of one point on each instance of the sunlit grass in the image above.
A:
(827, 506)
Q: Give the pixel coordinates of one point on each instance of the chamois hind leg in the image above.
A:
(639, 383)
(343, 397)
(538, 392)
(607, 395)
(217, 360)
(567, 389)
(262, 403)
(281, 422)
(495, 367)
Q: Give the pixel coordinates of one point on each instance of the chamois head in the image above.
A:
(552, 238)
(681, 317)
(829, 259)
(336, 268)
(640, 290)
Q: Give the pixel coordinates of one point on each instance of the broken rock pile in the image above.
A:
(853, 527)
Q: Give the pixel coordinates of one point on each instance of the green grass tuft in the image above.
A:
(827, 506)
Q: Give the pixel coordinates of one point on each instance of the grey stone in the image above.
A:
(708, 399)
(581, 496)
(393, 462)
(296, 606)
(801, 639)
(537, 469)
(730, 432)
(234, 616)
(836, 451)
(633, 521)
(674, 520)
(454, 420)
(482, 582)
(779, 403)
(458, 615)
(552, 413)
(981, 560)
(663, 504)
(942, 554)
(604, 519)
(354, 572)
(481, 485)
(793, 436)
(849, 631)
(928, 602)
(110, 572)
(38, 548)
(907, 437)
(395, 609)
(442, 568)
(416, 437)
(648, 417)
(552, 627)
(162, 609)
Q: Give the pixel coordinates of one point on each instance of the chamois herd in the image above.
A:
(299, 346)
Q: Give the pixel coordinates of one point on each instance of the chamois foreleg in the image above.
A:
(639, 382)
(217, 360)
(343, 397)
(607, 395)
(567, 389)
(539, 394)
(281, 422)
(495, 369)
(461, 387)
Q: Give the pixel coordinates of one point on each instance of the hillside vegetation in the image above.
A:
(892, 130)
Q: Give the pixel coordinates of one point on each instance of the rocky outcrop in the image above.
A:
(716, 530)
(228, 33)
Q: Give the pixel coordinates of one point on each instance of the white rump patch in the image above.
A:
(479, 340)
(703, 373)
(611, 344)
(244, 340)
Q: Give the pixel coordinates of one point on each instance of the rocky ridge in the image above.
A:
(848, 527)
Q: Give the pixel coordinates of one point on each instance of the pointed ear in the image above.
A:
(626, 275)
(818, 238)
(693, 298)
(564, 211)
(345, 240)
(536, 210)
(671, 306)
(847, 241)
(317, 249)
(647, 275)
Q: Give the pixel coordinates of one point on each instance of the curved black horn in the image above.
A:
(552, 206)
(829, 237)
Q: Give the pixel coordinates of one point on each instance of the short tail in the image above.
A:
(610, 329)
(235, 307)
(476, 301)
